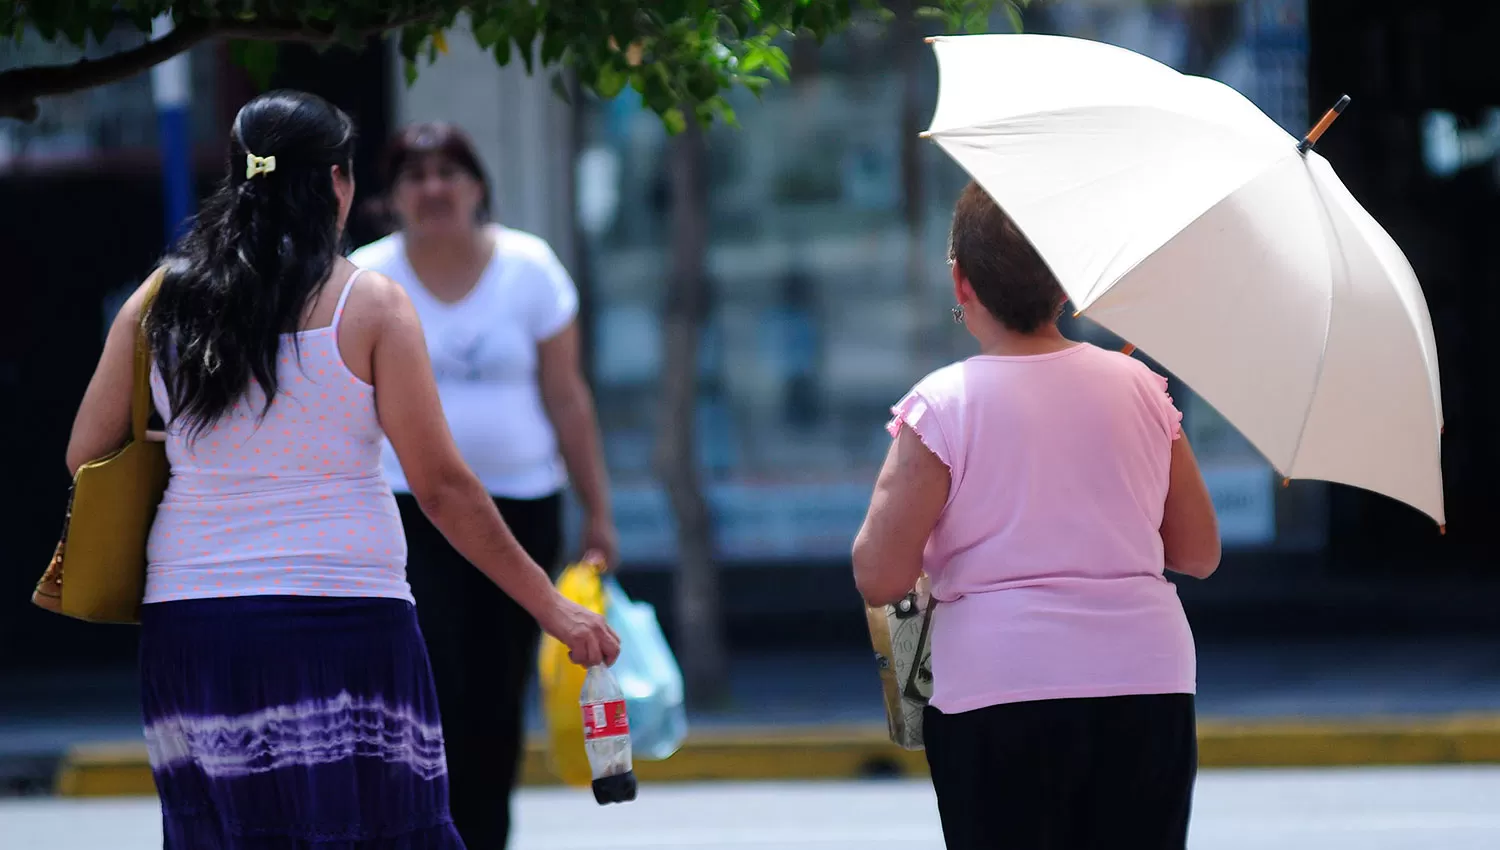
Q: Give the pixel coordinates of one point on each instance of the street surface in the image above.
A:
(1361, 809)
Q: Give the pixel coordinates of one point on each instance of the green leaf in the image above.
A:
(610, 81)
(523, 32)
(772, 58)
(703, 85)
(704, 114)
(489, 33)
(258, 58)
(410, 69)
(553, 46)
(102, 25)
(1013, 12)
(725, 112)
(502, 52)
(756, 85)
(674, 120)
(140, 19)
(412, 39)
(44, 18)
(76, 29)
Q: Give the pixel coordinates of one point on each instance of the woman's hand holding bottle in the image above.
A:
(587, 636)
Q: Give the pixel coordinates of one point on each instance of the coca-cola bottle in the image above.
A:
(606, 737)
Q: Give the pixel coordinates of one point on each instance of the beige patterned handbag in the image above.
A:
(900, 634)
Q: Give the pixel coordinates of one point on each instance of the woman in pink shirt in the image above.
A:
(1044, 486)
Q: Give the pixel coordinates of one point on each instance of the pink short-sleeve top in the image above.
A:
(1047, 560)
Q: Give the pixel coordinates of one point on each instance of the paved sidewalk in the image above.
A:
(1364, 809)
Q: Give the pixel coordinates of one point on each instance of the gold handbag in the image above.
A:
(901, 636)
(98, 571)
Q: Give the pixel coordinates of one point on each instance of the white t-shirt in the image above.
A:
(484, 356)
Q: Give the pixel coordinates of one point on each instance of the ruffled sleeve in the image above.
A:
(916, 413)
(1171, 416)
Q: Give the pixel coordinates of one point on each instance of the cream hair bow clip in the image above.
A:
(258, 165)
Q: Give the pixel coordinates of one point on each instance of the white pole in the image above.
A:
(171, 91)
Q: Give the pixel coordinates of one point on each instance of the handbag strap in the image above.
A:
(911, 676)
(140, 401)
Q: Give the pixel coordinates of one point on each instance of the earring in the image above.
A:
(958, 314)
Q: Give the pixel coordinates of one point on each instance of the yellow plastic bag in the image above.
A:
(561, 681)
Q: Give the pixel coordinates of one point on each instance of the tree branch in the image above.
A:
(20, 87)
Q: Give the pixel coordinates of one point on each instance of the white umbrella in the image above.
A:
(1179, 216)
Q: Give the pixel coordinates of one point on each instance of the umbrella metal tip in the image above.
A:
(1442, 529)
(930, 39)
(1286, 482)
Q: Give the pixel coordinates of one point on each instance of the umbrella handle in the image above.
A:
(1322, 126)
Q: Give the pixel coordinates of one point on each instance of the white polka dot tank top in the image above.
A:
(294, 504)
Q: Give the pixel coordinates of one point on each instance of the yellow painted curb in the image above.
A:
(105, 770)
(851, 752)
(1457, 739)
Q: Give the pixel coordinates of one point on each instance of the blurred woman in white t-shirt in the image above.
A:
(499, 313)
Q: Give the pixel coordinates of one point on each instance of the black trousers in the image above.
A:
(1075, 774)
(483, 650)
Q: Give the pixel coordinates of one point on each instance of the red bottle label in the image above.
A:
(605, 720)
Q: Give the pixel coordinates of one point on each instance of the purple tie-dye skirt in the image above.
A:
(276, 723)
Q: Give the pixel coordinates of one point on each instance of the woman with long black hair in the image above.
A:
(286, 690)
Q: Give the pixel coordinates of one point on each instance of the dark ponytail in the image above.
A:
(255, 259)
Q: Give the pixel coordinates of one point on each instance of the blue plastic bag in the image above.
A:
(648, 674)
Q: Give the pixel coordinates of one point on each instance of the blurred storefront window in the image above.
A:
(816, 325)
(101, 125)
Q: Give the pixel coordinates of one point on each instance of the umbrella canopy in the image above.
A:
(1178, 215)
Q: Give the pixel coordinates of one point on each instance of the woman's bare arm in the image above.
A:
(102, 423)
(909, 498)
(411, 414)
(1189, 526)
(570, 408)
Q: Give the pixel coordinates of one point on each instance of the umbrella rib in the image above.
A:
(1343, 260)
(1322, 352)
(1110, 284)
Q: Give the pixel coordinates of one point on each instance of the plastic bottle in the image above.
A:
(606, 737)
